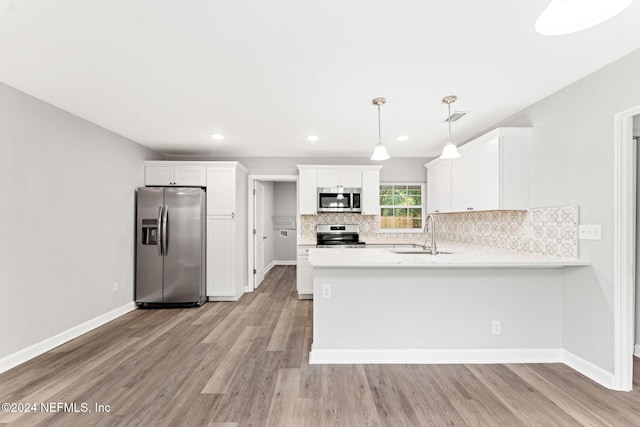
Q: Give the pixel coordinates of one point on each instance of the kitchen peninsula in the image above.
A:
(375, 305)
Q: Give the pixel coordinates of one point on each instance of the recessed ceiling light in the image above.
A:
(312, 138)
(217, 136)
(403, 138)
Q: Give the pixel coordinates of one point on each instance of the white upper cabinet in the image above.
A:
(371, 191)
(165, 173)
(348, 178)
(307, 192)
(221, 190)
(439, 187)
(312, 177)
(492, 173)
(475, 179)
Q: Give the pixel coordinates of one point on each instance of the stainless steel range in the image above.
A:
(338, 236)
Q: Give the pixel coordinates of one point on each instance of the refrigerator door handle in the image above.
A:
(159, 230)
(165, 240)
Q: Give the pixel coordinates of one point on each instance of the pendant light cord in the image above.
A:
(379, 132)
(449, 121)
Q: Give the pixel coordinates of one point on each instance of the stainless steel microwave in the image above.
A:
(339, 199)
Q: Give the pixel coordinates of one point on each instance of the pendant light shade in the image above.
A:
(380, 152)
(450, 151)
(570, 16)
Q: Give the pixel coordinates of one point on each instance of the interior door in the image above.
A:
(258, 236)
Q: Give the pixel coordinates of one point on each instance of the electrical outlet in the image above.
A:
(326, 291)
(115, 287)
(590, 232)
(495, 327)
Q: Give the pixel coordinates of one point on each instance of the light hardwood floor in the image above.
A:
(246, 364)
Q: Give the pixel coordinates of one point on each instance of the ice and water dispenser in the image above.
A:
(149, 231)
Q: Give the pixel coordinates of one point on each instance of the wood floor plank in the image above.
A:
(351, 398)
(280, 334)
(561, 398)
(219, 382)
(282, 410)
(246, 363)
(523, 402)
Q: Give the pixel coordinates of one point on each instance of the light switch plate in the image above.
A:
(590, 232)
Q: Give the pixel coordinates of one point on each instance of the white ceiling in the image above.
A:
(168, 73)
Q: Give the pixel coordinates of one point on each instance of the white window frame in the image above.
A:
(422, 206)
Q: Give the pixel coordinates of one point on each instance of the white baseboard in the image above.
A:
(269, 267)
(274, 263)
(28, 353)
(636, 350)
(436, 356)
(226, 298)
(588, 369)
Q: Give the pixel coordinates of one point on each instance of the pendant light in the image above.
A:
(450, 151)
(379, 153)
(570, 16)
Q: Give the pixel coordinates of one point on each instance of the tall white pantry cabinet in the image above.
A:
(226, 231)
(226, 187)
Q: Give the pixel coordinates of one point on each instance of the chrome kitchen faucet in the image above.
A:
(434, 250)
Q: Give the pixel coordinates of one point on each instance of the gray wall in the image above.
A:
(573, 165)
(285, 205)
(67, 219)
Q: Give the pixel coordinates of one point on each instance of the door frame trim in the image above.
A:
(251, 285)
(624, 226)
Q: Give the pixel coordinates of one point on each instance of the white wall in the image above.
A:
(285, 205)
(573, 139)
(269, 254)
(66, 222)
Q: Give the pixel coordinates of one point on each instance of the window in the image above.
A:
(401, 206)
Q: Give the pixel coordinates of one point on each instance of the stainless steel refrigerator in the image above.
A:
(170, 246)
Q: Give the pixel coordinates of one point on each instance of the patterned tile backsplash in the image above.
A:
(546, 231)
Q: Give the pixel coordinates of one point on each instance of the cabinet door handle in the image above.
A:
(469, 209)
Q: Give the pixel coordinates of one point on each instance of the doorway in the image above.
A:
(624, 303)
(636, 138)
(272, 224)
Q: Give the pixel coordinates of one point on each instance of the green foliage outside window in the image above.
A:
(401, 206)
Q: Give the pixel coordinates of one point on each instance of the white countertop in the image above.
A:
(461, 256)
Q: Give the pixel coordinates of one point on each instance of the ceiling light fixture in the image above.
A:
(570, 16)
(217, 136)
(312, 138)
(402, 138)
(450, 151)
(379, 153)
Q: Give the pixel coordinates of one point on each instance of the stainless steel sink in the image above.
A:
(418, 250)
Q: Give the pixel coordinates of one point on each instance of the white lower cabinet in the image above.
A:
(221, 251)
(304, 273)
